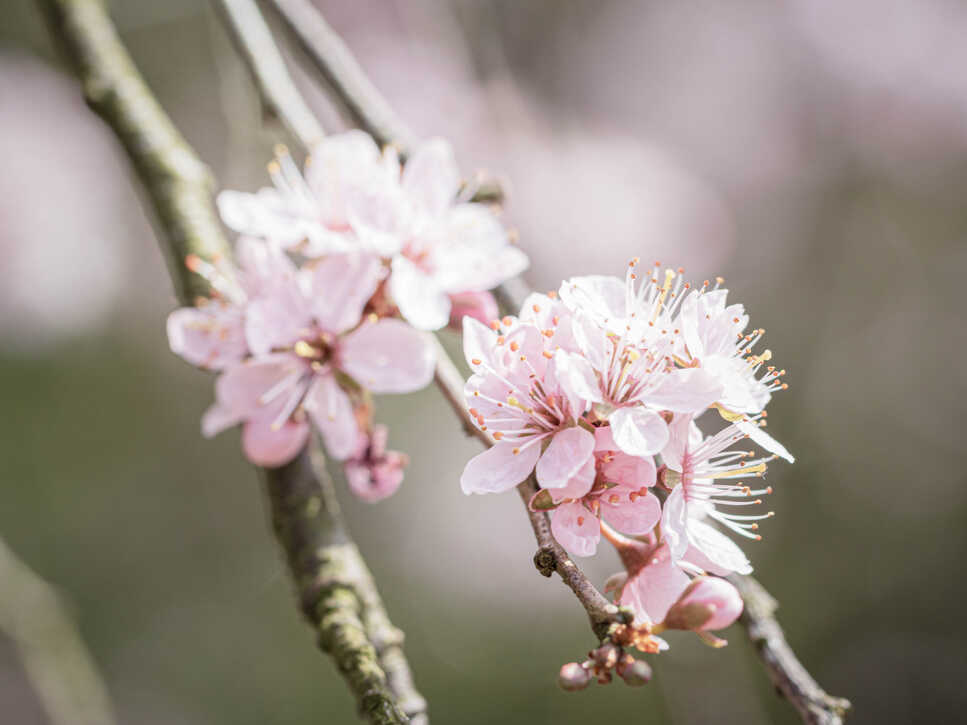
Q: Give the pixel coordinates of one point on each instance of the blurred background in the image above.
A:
(813, 152)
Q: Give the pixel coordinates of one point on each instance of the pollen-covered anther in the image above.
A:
(536, 308)
(498, 435)
(514, 346)
(516, 451)
(507, 321)
(547, 354)
(495, 325)
(476, 361)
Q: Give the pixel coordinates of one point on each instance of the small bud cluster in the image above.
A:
(608, 392)
(338, 274)
(602, 663)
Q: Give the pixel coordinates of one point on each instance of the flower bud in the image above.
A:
(573, 677)
(707, 603)
(479, 305)
(634, 672)
(606, 655)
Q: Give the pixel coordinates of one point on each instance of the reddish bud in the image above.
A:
(635, 673)
(573, 677)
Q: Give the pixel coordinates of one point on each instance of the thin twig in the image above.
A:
(336, 63)
(785, 670)
(346, 608)
(340, 70)
(55, 657)
(253, 40)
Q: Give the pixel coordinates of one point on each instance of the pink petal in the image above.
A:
(637, 516)
(719, 594)
(656, 586)
(576, 529)
(260, 388)
(499, 469)
(578, 485)
(431, 175)
(268, 446)
(480, 306)
(473, 252)
(479, 343)
(631, 472)
(690, 390)
(638, 431)
(332, 412)
(568, 452)
(599, 296)
(341, 285)
(388, 356)
(421, 301)
(209, 337)
(216, 419)
(276, 320)
(373, 483)
(576, 380)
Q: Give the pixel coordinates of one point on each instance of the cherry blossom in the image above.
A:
(312, 354)
(353, 196)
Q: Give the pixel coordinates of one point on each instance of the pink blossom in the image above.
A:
(707, 481)
(311, 355)
(481, 306)
(372, 472)
(619, 496)
(654, 584)
(525, 395)
(354, 197)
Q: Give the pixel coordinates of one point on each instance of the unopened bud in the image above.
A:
(707, 603)
(573, 677)
(606, 655)
(635, 673)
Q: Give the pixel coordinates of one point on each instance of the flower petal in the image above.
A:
(637, 516)
(431, 176)
(674, 522)
(209, 337)
(576, 529)
(498, 468)
(421, 301)
(765, 440)
(690, 390)
(638, 431)
(332, 412)
(388, 356)
(340, 285)
(568, 452)
(270, 446)
(657, 586)
(719, 548)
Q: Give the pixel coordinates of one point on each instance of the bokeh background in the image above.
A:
(813, 152)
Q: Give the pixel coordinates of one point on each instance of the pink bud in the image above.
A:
(479, 305)
(372, 472)
(707, 603)
(573, 677)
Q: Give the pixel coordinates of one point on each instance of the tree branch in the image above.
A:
(57, 662)
(344, 74)
(337, 590)
(253, 41)
(350, 85)
(785, 670)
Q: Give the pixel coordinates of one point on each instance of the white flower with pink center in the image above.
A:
(707, 478)
(441, 249)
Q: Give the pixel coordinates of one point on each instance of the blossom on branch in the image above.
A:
(439, 247)
(597, 391)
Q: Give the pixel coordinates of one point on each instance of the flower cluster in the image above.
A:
(597, 390)
(338, 274)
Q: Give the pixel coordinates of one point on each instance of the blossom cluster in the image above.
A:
(339, 273)
(598, 391)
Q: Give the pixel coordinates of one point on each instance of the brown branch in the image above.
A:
(56, 660)
(785, 670)
(337, 590)
(253, 41)
(361, 100)
(336, 63)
